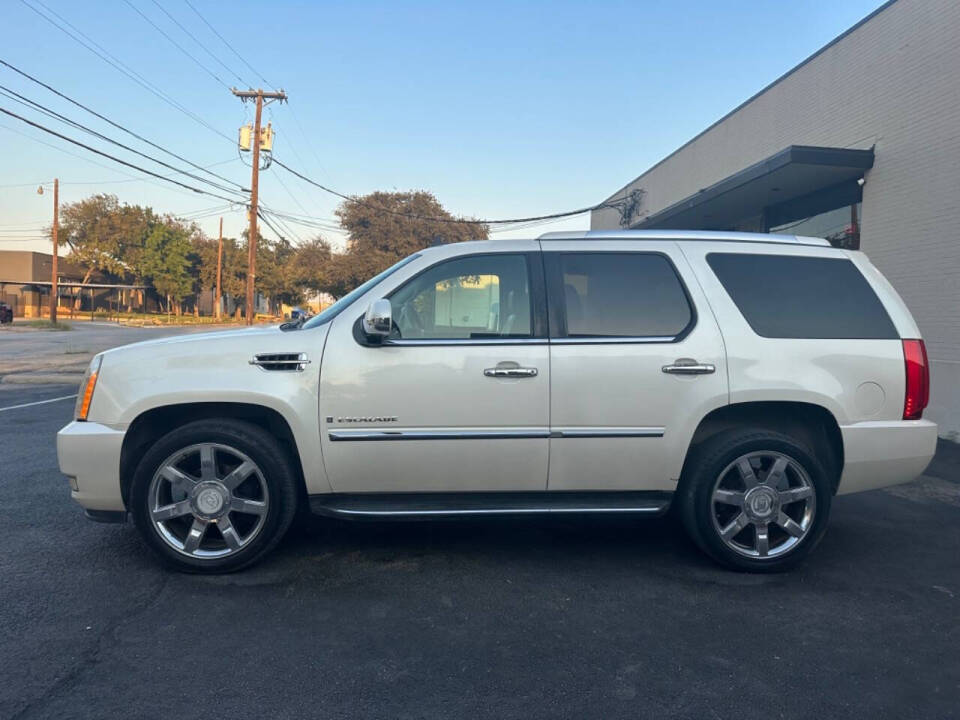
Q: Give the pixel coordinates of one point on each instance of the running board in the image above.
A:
(439, 505)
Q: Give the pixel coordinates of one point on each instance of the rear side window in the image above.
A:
(622, 295)
(784, 296)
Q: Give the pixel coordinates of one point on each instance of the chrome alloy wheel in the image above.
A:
(763, 504)
(208, 500)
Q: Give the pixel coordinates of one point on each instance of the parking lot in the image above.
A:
(520, 618)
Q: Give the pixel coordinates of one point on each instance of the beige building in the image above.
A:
(18, 271)
(859, 143)
(25, 280)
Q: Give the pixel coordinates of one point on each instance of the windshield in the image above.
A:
(340, 305)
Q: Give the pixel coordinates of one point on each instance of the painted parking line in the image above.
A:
(38, 402)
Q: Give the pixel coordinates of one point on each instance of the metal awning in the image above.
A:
(67, 283)
(795, 172)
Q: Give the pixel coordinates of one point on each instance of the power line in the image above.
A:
(67, 152)
(112, 157)
(464, 221)
(308, 221)
(202, 46)
(229, 46)
(115, 124)
(282, 223)
(133, 179)
(279, 234)
(104, 55)
(63, 118)
(84, 159)
(176, 44)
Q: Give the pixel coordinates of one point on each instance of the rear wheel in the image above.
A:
(213, 495)
(755, 500)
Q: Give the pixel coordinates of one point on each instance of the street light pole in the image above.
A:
(219, 267)
(56, 246)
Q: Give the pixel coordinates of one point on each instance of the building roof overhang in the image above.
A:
(794, 172)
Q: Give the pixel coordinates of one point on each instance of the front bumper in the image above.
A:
(89, 454)
(881, 453)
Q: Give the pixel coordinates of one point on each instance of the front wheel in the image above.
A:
(214, 495)
(755, 500)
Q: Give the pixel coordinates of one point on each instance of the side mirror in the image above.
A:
(378, 320)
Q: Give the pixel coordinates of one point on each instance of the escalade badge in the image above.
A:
(363, 419)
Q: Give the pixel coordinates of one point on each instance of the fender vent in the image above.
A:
(290, 362)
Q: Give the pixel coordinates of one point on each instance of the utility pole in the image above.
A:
(56, 246)
(219, 266)
(259, 96)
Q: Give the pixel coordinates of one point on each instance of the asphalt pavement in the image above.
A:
(524, 618)
(29, 356)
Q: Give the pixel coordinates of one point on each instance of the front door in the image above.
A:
(636, 361)
(457, 398)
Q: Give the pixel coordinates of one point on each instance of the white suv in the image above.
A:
(743, 379)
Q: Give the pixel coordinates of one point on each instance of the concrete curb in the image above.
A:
(43, 379)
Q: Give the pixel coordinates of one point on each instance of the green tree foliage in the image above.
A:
(311, 265)
(133, 244)
(384, 227)
(166, 260)
(277, 275)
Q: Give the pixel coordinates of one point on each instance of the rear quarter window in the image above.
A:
(788, 296)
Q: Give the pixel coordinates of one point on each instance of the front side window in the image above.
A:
(343, 303)
(470, 298)
(622, 295)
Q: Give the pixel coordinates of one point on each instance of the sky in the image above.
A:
(501, 109)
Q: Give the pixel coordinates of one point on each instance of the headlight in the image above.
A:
(87, 385)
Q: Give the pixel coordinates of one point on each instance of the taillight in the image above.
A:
(918, 379)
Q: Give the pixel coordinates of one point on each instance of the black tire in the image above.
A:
(698, 509)
(275, 469)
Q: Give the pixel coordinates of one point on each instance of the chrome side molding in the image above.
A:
(458, 504)
(373, 434)
(376, 434)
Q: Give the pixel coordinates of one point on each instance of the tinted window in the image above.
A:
(622, 295)
(802, 297)
(485, 296)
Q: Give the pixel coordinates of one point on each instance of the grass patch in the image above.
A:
(46, 325)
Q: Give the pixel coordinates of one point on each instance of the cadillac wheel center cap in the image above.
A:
(761, 502)
(210, 499)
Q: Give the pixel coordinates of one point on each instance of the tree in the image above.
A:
(384, 227)
(88, 228)
(166, 261)
(311, 263)
(104, 235)
(277, 275)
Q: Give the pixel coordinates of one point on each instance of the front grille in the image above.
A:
(273, 362)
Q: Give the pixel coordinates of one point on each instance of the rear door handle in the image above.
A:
(514, 372)
(689, 366)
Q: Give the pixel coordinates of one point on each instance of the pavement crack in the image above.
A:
(90, 657)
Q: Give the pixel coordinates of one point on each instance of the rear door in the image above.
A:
(636, 361)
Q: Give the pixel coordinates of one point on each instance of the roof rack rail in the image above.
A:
(712, 235)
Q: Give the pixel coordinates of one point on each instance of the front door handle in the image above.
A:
(689, 366)
(510, 372)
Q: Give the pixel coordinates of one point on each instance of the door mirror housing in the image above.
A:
(378, 320)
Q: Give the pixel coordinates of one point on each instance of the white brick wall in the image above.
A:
(894, 82)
